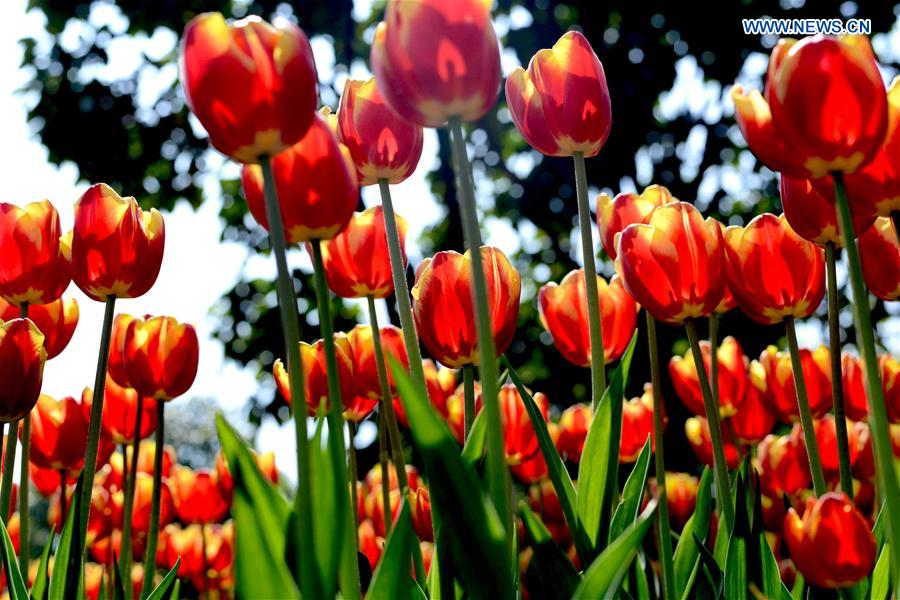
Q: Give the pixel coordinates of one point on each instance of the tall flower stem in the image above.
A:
(401, 290)
(352, 469)
(497, 474)
(24, 537)
(468, 399)
(335, 418)
(723, 483)
(387, 399)
(86, 484)
(290, 324)
(662, 513)
(806, 420)
(12, 440)
(837, 381)
(128, 509)
(878, 422)
(714, 355)
(598, 367)
(153, 533)
(383, 457)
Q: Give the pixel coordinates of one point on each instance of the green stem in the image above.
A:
(128, 508)
(723, 484)
(881, 437)
(469, 399)
(385, 479)
(352, 470)
(290, 324)
(806, 420)
(85, 486)
(662, 511)
(837, 381)
(24, 537)
(153, 533)
(598, 366)
(12, 440)
(401, 290)
(714, 355)
(335, 419)
(497, 473)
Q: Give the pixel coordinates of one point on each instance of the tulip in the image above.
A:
(56, 320)
(120, 410)
(374, 477)
(315, 373)
(161, 357)
(732, 377)
(437, 60)
(35, 260)
(889, 368)
(753, 419)
(356, 260)
(366, 375)
(206, 552)
(681, 496)
(854, 387)
(831, 543)
(826, 440)
(115, 476)
(58, 434)
(420, 511)
(783, 465)
(265, 462)
(520, 441)
(698, 435)
(384, 146)
(22, 358)
(197, 496)
(615, 214)
(370, 544)
(442, 305)
(561, 104)
(374, 507)
(637, 426)
(780, 392)
(116, 366)
(252, 85)
(47, 482)
(143, 492)
(673, 265)
(813, 216)
(564, 314)
(117, 248)
(573, 428)
(879, 254)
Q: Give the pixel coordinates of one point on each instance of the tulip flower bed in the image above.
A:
(795, 490)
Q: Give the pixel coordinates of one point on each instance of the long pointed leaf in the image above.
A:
(160, 592)
(881, 576)
(58, 574)
(41, 581)
(473, 451)
(550, 573)
(632, 494)
(17, 587)
(392, 577)
(687, 555)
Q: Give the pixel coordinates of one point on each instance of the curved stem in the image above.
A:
(662, 511)
(290, 324)
(12, 440)
(24, 537)
(837, 380)
(497, 473)
(881, 437)
(468, 400)
(598, 366)
(806, 420)
(153, 533)
(128, 508)
(723, 483)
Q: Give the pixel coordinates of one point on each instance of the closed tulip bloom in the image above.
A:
(197, 496)
(520, 441)
(732, 377)
(831, 543)
(696, 430)
(783, 465)
(813, 215)
(855, 403)
(561, 103)
(316, 375)
(573, 427)
(366, 371)
(681, 497)
(22, 358)
(826, 440)
(889, 368)
(441, 383)
(316, 184)
(143, 495)
(435, 60)
(47, 481)
(879, 255)
(442, 304)
(420, 510)
(56, 320)
(637, 426)
(120, 412)
(58, 434)
(356, 260)
(35, 260)
(754, 117)
(370, 545)
(674, 265)
(773, 272)
(374, 507)
(615, 214)
(780, 393)
(251, 84)
(753, 419)
(375, 476)
(117, 248)
(161, 357)
(116, 365)
(383, 144)
(564, 314)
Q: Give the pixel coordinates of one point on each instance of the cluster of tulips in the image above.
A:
(798, 443)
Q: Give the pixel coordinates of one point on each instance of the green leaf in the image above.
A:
(160, 592)
(881, 576)
(799, 585)
(604, 576)
(39, 589)
(58, 575)
(550, 573)
(392, 577)
(600, 458)
(687, 555)
(475, 538)
(261, 514)
(632, 494)
(17, 588)
(326, 525)
(709, 567)
(473, 451)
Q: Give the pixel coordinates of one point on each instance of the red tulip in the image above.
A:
(375, 512)
(56, 320)
(161, 357)
(442, 304)
(441, 383)
(773, 272)
(753, 419)
(120, 412)
(673, 265)
(366, 372)
(356, 260)
(826, 440)
(316, 183)
(561, 103)
(637, 426)
(564, 314)
(520, 441)
(879, 255)
(316, 375)
(889, 368)
(35, 261)
(783, 465)
(697, 431)
(46, 481)
(780, 394)
(681, 497)
(383, 144)
(251, 84)
(615, 214)
(143, 494)
(573, 428)
(375, 475)
(420, 510)
(197, 496)
(813, 215)
(58, 434)
(265, 462)
(22, 358)
(831, 544)
(209, 573)
(116, 366)
(732, 377)
(371, 545)
(436, 60)
(855, 403)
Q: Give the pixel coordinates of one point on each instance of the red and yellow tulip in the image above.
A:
(56, 320)
(732, 376)
(615, 214)
(22, 358)
(161, 357)
(879, 255)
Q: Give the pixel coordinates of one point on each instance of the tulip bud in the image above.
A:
(22, 358)
(732, 377)
(161, 357)
(753, 419)
(637, 426)
(573, 427)
(366, 372)
(58, 434)
(698, 435)
(780, 393)
(783, 465)
(316, 373)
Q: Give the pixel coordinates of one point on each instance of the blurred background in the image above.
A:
(89, 93)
